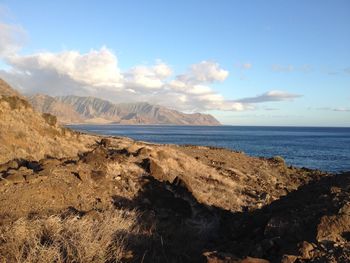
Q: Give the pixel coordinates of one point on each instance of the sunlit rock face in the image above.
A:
(75, 109)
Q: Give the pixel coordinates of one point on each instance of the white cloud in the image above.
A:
(195, 92)
(162, 70)
(183, 87)
(273, 95)
(281, 68)
(97, 68)
(204, 72)
(338, 109)
(208, 72)
(341, 109)
(200, 90)
(143, 77)
(97, 73)
(12, 38)
(305, 68)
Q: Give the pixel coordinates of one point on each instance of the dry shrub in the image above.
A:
(50, 119)
(278, 159)
(16, 102)
(93, 238)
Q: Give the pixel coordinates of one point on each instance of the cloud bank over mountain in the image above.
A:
(97, 73)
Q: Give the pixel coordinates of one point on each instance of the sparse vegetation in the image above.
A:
(97, 199)
(28, 134)
(278, 159)
(93, 238)
(20, 135)
(50, 119)
(16, 102)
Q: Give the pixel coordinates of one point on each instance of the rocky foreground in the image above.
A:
(72, 197)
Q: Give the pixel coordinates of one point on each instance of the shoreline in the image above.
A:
(125, 200)
(174, 184)
(222, 125)
(255, 141)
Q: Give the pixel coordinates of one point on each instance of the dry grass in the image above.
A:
(16, 102)
(93, 238)
(50, 119)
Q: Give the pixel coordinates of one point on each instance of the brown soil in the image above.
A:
(72, 197)
(215, 199)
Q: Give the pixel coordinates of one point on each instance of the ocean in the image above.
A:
(322, 148)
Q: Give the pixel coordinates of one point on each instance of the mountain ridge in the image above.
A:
(73, 197)
(77, 109)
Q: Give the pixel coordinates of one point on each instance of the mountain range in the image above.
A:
(68, 196)
(75, 109)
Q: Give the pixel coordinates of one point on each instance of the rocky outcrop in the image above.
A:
(166, 203)
(74, 109)
(211, 197)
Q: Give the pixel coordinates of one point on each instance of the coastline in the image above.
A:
(131, 201)
(179, 184)
(316, 148)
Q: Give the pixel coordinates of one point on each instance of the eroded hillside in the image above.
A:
(75, 109)
(27, 134)
(70, 197)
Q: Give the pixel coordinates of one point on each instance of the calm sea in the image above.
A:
(326, 149)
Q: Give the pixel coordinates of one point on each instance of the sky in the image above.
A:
(279, 63)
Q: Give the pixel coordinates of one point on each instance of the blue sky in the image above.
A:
(296, 53)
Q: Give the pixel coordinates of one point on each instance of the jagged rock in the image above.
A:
(345, 209)
(332, 228)
(105, 142)
(189, 198)
(306, 250)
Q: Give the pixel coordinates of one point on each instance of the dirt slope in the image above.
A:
(110, 199)
(216, 199)
(25, 133)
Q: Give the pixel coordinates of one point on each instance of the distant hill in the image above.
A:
(75, 109)
(64, 112)
(67, 196)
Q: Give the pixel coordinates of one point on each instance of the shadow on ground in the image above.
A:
(179, 229)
